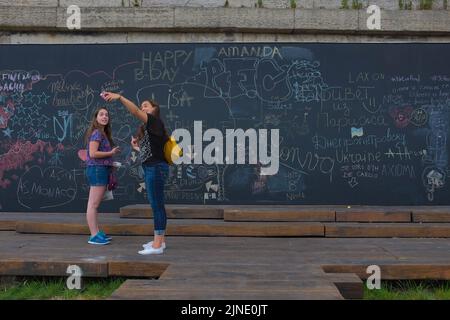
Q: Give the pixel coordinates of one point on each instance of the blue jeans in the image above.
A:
(97, 175)
(155, 177)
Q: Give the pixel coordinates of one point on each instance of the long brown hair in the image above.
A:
(95, 125)
(157, 114)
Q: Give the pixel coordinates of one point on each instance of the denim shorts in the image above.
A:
(97, 175)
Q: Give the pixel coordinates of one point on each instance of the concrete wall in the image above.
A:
(305, 4)
(162, 37)
(120, 21)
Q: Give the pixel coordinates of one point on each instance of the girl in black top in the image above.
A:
(150, 141)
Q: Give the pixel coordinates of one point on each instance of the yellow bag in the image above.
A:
(172, 150)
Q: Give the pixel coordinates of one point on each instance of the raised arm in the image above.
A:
(132, 108)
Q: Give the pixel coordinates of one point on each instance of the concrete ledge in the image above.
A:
(30, 3)
(205, 37)
(271, 4)
(65, 38)
(22, 18)
(241, 19)
(95, 3)
(120, 19)
(5, 38)
(326, 20)
(210, 20)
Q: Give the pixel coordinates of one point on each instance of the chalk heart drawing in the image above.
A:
(50, 188)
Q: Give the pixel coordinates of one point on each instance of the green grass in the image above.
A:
(357, 5)
(410, 290)
(344, 4)
(405, 5)
(55, 289)
(293, 4)
(95, 289)
(426, 4)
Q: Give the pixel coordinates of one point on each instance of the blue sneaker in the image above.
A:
(104, 236)
(98, 240)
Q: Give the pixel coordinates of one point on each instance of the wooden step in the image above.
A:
(30, 267)
(144, 211)
(313, 213)
(348, 284)
(396, 271)
(280, 214)
(430, 213)
(225, 289)
(268, 212)
(387, 230)
(136, 269)
(430, 216)
(75, 223)
(184, 227)
(242, 271)
(7, 225)
(265, 281)
(373, 215)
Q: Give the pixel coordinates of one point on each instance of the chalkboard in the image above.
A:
(358, 123)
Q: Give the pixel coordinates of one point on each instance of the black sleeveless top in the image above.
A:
(152, 143)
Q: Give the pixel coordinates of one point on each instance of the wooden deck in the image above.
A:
(250, 221)
(229, 267)
(317, 253)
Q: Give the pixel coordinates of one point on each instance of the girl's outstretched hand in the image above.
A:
(110, 96)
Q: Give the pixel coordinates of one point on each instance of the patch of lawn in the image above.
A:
(56, 289)
(410, 290)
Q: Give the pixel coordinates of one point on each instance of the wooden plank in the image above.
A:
(51, 228)
(241, 271)
(217, 211)
(82, 229)
(25, 267)
(431, 216)
(348, 284)
(279, 214)
(216, 294)
(7, 225)
(224, 290)
(136, 269)
(238, 284)
(396, 271)
(387, 230)
(373, 216)
(144, 211)
(184, 228)
(249, 229)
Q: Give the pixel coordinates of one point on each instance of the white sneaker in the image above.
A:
(151, 250)
(150, 244)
